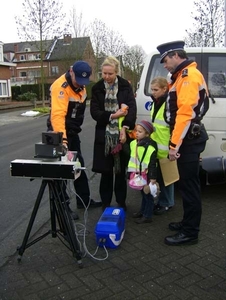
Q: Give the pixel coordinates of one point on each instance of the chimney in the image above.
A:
(67, 39)
(15, 48)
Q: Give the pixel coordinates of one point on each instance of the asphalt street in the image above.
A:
(141, 267)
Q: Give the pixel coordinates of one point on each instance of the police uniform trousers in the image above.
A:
(189, 186)
(81, 183)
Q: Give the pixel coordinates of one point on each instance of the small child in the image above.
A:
(148, 164)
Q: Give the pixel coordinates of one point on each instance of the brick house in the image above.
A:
(58, 55)
(5, 75)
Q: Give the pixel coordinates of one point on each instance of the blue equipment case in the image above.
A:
(110, 228)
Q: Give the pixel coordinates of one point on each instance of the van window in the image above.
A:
(156, 69)
(216, 76)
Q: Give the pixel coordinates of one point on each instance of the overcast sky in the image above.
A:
(147, 23)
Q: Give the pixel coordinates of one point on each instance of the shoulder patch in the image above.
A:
(65, 84)
(184, 73)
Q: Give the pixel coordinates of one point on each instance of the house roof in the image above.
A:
(22, 46)
(56, 49)
(8, 47)
(75, 49)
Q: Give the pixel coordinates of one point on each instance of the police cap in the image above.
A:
(165, 49)
(82, 72)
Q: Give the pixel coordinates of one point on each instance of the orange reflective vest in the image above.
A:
(61, 96)
(187, 100)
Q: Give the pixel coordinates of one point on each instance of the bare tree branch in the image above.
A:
(41, 20)
(209, 26)
(77, 26)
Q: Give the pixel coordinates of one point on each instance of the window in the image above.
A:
(22, 57)
(23, 74)
(155, 70)
(3, 89)
(34, 73)
(54, 70)
(31, 57)
(216, 76)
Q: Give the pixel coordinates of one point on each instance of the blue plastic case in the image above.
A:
(110, 228)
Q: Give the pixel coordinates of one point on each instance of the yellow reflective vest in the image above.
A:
(136, 154)
(161, 135)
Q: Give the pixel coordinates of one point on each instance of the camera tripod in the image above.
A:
(59, 211)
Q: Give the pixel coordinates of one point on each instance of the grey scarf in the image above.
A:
(112, 129)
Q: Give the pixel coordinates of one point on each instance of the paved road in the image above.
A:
(12, 117)
(18, 136)
(142, 267)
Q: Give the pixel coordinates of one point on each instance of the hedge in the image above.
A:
(36, 89)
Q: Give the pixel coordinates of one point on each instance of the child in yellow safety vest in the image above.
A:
(159, 91)
(143, 158)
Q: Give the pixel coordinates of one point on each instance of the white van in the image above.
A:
(212, 63)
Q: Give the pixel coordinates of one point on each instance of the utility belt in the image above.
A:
(194, 130)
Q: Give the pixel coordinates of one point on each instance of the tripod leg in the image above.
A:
(66, 221)
(22, 248)
(53, 213)
(53, 208)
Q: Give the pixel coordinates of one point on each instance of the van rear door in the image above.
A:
(215, 119)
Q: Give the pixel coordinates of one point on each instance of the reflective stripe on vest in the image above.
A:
(80, 97)
(136, 155)
(161, 135)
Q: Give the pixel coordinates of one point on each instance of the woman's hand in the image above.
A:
(122, 135)
(119, 113)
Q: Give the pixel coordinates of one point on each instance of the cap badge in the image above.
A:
(84, 74)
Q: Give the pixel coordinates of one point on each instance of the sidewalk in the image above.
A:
(11, 112)
(142, 267)
(14, 104)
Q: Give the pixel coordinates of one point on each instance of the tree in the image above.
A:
(79, 28)
(105, 41)
(114, 44)
(209, 26)
(133, 61)
(97, 32)
(41, 20)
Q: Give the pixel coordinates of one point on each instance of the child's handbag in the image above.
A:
(138, 179)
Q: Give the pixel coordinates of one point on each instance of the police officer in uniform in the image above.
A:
(186, 105)
(68, 103)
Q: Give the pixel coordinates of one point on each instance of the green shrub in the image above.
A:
(37, 89)
(28, 96)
